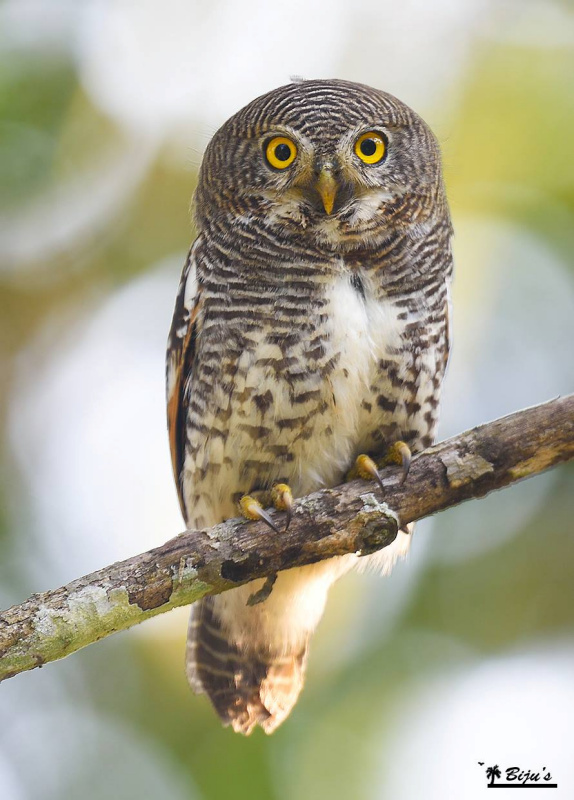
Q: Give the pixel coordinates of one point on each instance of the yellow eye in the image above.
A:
(371, 147)
(280, 152)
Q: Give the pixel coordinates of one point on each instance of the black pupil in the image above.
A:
(282, 152)
(368, 147)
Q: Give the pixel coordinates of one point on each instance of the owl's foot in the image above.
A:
(252, 509)
(398, 453)
(365, 467)
(280, 496)
(282, 499)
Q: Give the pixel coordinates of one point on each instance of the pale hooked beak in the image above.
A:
(327, 187)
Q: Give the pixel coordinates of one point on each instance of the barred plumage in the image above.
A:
(302, 336)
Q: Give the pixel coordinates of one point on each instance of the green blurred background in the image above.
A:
(466, 653)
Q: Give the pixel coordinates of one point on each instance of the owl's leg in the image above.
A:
(365, 467)
(280, 496)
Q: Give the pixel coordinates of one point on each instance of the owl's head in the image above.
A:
(335, 161)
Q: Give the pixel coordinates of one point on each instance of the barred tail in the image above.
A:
(245, 688)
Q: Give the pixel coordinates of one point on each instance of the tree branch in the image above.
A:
(347, 519)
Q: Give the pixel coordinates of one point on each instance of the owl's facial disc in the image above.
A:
(331, 186)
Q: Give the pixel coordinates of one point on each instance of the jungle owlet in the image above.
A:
(310, 331)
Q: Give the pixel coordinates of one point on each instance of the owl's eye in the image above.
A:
(371, 147)
(280, 152)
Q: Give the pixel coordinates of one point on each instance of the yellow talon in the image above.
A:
(400, 453)
(252, 509)
(282, 499)
(367, 469)
(249, 507)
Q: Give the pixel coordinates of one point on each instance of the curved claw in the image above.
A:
(289, 515)
(252, 509)
(367, 469)
(282, 498)
(402, 455)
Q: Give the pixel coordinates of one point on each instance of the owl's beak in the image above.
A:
(327, 187)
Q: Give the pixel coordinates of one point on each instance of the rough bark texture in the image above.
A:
(351, 518)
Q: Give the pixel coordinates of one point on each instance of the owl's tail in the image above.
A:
(245, 688)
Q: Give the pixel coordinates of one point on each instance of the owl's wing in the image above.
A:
(448, 314)
(179, 365)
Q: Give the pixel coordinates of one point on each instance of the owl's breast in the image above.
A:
(300, 401)
(364, 333)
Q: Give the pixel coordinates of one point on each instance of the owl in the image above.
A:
(309, 342)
